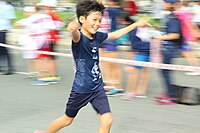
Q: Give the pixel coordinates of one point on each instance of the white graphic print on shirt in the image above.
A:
(95, 70)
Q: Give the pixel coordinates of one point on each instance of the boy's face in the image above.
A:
(91, 23)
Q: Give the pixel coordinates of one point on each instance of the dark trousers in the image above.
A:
(168, 52)
(4, 53)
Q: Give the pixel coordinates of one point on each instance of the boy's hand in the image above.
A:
(73, 26)
(143, 23)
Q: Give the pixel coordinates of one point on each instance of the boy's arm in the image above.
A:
(119, 33)
(73, 29)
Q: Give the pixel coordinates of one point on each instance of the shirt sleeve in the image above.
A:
(102, 36)
(24, 22)
(174, 26)
(48, 23)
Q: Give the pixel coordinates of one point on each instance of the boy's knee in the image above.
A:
(107, 121)
(67, 120)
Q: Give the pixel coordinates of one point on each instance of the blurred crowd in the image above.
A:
(42, 30)
(174, 31)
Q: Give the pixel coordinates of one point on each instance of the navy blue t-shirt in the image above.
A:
(173, 25)
(88, 76)
(137, 44)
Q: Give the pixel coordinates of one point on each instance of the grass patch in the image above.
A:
(63, 15)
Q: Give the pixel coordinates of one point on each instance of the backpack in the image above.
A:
(187, 95)
(185, 23)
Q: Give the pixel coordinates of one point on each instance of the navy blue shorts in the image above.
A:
(76, 101)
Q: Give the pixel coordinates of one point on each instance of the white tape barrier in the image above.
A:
(121, 61)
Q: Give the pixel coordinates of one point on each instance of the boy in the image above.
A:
(88, 83)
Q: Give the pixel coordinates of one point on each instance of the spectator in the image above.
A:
(171, 42)
(188, 33)
(112, 69)
(28, 43)
(48, 8)
(7, 14)
(39, 26)
(132, 8)
(138, 76)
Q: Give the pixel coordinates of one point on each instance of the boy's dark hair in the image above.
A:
(85, 7)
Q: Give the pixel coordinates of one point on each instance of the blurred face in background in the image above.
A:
(168, 6)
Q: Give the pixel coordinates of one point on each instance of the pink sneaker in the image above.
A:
(128, 96)
(107, 88)
(161, 96)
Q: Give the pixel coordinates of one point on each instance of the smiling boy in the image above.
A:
(88, 83)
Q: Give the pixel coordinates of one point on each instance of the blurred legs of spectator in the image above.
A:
(138, 79)
(4, 54)
(169, 52)
(52, 66)
(137, 83)
(43, 68)
(112, 75)
(112, 71)
(32, 72)
(53, 62)
(30, 56)
(190, 58)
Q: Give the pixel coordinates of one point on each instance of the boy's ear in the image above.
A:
(82, 19)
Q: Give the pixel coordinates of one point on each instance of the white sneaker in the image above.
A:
(140, 96)
(192, 73)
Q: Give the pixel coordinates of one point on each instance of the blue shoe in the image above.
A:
(114, 92)
(39, 82)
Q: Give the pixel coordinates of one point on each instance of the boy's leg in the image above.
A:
(59, 123)
(101, 105)
(75, 102)
(105, 122)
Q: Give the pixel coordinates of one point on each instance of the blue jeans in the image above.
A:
(169, 52)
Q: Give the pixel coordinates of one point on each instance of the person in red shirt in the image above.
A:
(48, 8)
(132, 8)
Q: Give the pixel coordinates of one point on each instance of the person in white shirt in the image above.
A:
(38, 27)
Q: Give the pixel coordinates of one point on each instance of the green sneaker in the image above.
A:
(32, 74)
(51, 79)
